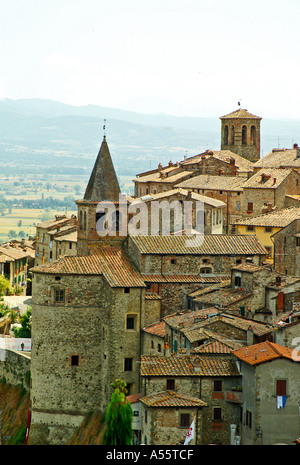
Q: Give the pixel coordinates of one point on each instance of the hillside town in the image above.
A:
(188, 291)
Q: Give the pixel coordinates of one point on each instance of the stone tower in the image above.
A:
(240, 133)
(103, 187)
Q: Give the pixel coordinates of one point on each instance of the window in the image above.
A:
(136, 413)
(248, 418)
(298, 241)
(128, 364)
(74, 360)
(244, 135)
(250, 228)
(281, 387)
(237, 281)
(59, 295)
(218, 385)
(126, 290)
(130, 322)
(269, 252)
(268, 229)
(217, 413)
(170, 384)
(70, 245)
(184, 420)
(159, 347)
(250, 207)
(238, 206)
(205, 270)
(173, 261)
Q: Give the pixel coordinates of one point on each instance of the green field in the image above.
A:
(28, 217)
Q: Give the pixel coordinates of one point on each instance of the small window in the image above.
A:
(136, 413)
(75, 360)
(184, 420)
(170, 384)
(281, 387)
(250, 207)
(173, 261)
(130, 322)
(70, 245)
(126, 290)
(250, 228)
(159, 347)
(237, 281)
(218, 386)
(268, 229)
(248, 418)
(298, 241)
(59, 295)
(128, 364)
(217, 413)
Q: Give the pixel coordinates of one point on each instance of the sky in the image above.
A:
(181, 57)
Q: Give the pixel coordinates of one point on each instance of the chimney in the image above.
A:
(170, 163)
(159, 167)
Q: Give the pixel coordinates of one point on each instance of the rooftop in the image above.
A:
(214, 182)
(186, 365)
(267, 178)
(171, 399)
(264, 352)
(240, 113)
(178, 192)
(208, 244)
(242, 164)
(276, 218)
(285, 158)
(111, 262)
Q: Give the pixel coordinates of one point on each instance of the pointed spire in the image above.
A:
(103, 183)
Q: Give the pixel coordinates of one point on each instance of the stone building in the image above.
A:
(227, 189)
(279, 158)
(265, 227)
(269, 186)
(287, 247)
(207, 378)
(55, 237)
(88, 310)
(14, 260)
(270, 397)
(240, 133)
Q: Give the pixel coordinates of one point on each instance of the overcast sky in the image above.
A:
(182, 57)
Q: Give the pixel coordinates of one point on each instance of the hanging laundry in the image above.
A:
(281, 401)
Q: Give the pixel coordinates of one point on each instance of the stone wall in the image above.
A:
(15, 368)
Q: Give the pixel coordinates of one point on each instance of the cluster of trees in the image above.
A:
(42, 203)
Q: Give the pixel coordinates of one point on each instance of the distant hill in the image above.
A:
(38, 136)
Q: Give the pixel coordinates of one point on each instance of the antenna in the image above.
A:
(239, 102)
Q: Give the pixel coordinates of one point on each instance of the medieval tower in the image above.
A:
(240, 133)
(87, 312)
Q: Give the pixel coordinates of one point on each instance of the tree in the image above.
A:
(118, 417)
(25, 330)
(4, 284)
(12, 233)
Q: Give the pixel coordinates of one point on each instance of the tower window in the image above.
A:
(226, 135)
(244, 135)
(74, 360)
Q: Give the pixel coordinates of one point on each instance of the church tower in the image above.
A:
(102, 189)
(240, 133)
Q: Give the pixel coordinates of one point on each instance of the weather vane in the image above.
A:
(104, 121)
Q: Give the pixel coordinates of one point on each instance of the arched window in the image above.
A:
(116, 221)
(244, 135)
(231, 136)
(253, 135)
(84, 221)
(80, 220)
(226, 135)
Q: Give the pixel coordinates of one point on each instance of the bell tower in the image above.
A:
(240, 133)
(102, 191)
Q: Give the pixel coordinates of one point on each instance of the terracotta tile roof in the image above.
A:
(178, 193)
(240, 113)
(157, 329)
(158, 278)
(153, 296)
(208, 244)
(279, 158)
(242, 164)
(222, 297)
(53, 223)
(187, 318)
(14, 253)
(171, 399)
(213, 347)
(186, 365)
(273, 178)
(111, 262)
(165, 176)
(263, 352)
(212, 182)
(275, 219)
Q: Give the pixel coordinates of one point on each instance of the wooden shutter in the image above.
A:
(281, 387)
